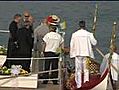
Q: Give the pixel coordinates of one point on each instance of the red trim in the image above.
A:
(94, 81)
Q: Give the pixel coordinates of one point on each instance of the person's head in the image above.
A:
(26, 14)
(52, 28)
(82, 24)
(17, 17)
(44, 21)
(53, 20)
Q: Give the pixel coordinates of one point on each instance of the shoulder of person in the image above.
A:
(47, 34)
(60, 35)
(87, 31)
(90, 33)
(75, 32)
(13, 23)
(115, 53)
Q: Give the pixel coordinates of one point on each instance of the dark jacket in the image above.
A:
(24, 42)
(12, 46)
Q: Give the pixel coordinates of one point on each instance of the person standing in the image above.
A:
(81, 48)
(12, 43)
(115, 62)
(39, 33)
(28, 18)
(52, 41)
(42, 30)
(25, 46)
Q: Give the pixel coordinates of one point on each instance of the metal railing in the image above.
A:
(60, 69)
(60, 64)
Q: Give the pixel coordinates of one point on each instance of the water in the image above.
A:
(72, 12)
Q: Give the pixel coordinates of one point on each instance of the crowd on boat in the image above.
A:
(45, 41)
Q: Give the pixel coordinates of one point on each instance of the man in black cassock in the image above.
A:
(25, 46)
(12, 42)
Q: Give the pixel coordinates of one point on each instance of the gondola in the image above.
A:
(97, 81)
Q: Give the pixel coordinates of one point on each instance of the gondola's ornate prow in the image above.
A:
(95, 19)
(112, 42)
(92, 65)
(112, 46)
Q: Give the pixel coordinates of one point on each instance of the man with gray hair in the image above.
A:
(39, 33)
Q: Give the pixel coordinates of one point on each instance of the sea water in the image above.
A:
(72, 12)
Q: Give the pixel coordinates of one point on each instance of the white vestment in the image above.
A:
(115, 62)
(80, 47)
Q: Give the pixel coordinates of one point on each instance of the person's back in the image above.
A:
(39, 33)
(82, 43)
(81, 48)
(53, 41)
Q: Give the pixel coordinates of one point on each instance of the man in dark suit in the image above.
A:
(25, 46)
(12, 43)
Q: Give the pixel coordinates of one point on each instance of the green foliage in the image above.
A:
(5, 71)
(3, 50)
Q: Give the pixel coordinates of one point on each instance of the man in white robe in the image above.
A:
(80, 48)
(115, 62)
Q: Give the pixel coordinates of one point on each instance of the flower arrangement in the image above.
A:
(15, 70)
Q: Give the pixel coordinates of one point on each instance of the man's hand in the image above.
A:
(16, 44)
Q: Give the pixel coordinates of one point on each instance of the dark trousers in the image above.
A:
(54, 65)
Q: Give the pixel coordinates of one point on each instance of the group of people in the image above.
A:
(23, 39)
(20, 41)
(45, 40)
